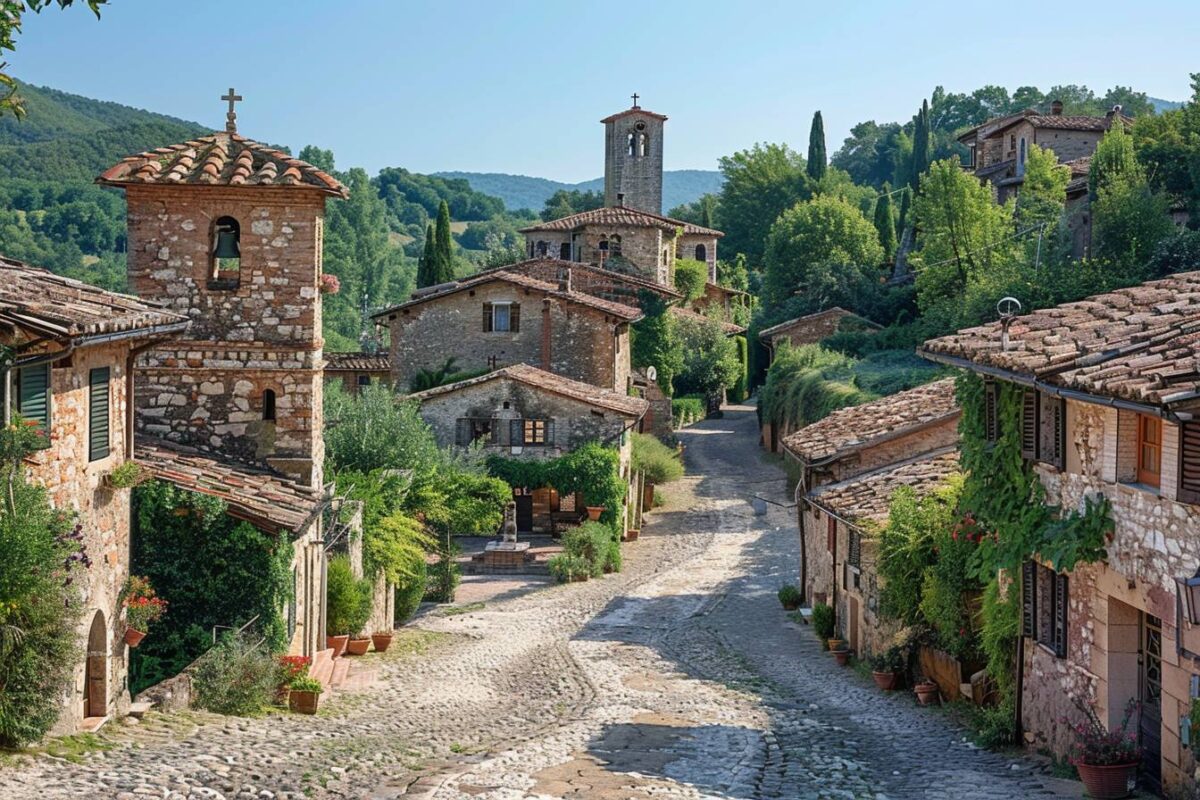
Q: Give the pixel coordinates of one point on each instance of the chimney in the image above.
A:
(620, 199)
(1056, 108)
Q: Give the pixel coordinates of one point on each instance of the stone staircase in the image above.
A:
(345, 673)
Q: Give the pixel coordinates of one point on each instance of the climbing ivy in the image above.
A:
(593, 470)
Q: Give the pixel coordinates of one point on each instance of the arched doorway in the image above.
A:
(95, 678)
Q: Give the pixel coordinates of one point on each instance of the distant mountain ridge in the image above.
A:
(523, 191)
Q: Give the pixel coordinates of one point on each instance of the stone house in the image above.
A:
(1111, 396)
(617, 287)
(72, 373)
(520, 411)
(356, 370)
(501, 318)
(998, 148)
(854, 442)
(727, 303)
(811, 328)
(844, 521)
(229, 232)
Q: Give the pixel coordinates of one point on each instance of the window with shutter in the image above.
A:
(831, 533)
(550, 433)
(1060, 616)
(1029, 424)
(1029, 599)
(1046, 616)
(516, 436)
(854, 557)
(487, 317)
(991, 411)
(514, 318)
(33, 397)
(98, 413)
(1149, 450)
(462, 432)
(1058, 432)
(1189, 462)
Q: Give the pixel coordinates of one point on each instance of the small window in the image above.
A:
(269, 405)
(364, 380)
(542, 248)
(1189, 462)
(854, 557)
(603, 246)
(469, 430)
(226, 249)
(643, 144)
(831, 533)
(701, 253)
(1044, 602)
(531, 432)
(1043, 428)
(501, 318)
(535, 431)
(615, 245)
(629, 145)
(564, 251)
(33, 397)
(1149, 450)
(98, 410)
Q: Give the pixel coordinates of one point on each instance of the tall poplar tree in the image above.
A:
(920, 154)
(885, 223)
(443, 247)
(817, 162)
(425, 264)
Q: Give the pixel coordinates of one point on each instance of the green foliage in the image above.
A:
(710, 361)
(816, 164)
(565, 202)
(950, 592)
(1129, 220)
(374, 429)
(125, 475)
(613, 558)
(432, 378)
(593, 470)
(590, 543)
(566, 567)
(885, 224)
(655, 340)
(444, 574)
(686, 410)
(823, 621)
(1044, 191)
(409, 593)
(210, 569)
(741, 387)
(396, 546)
(907, 547)
(427, 262)
(659, 463)
(691, 276)
(823, 250)
(347, 599)
(805, 383)
(475, 501)
(303, 683)
(237, 677)
(789, 595)
(1000, 615)
(760, 184)
(921, 153)
(1180, 253)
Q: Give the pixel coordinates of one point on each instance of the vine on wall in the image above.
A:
(593, 470)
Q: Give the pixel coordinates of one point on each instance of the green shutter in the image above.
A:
(33, 389)
(98, 424)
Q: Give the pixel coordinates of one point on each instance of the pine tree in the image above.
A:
(885, 223)
(920, 158)
(425, 263)
(817, 163)
(443, 247)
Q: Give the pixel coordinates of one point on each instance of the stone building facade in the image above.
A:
(811, 328)
(499, 318)
(590, 279)
(1110, 402)
(74, 379)
(358, 370)
(633, 159)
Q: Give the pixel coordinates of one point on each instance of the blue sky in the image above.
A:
(520, 86)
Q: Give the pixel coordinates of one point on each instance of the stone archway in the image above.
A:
(95, 676)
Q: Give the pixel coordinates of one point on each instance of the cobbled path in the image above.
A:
(678, 678)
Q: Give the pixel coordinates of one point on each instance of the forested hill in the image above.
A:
(522, 191)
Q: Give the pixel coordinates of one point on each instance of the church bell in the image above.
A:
(227, 244)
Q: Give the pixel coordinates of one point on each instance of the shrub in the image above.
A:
(687, 410)
(789, 596)
(659, 463)
(893, 659)
(823, 621)
(613, 558)
(347, 599)
(741, 388)
(1098, 746)
(396, 545)
(444, 574)
(589, 542)
(410, 592)
(564, 567)
(690, 277)
(236, 677)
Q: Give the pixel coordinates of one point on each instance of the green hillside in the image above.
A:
(522, 191)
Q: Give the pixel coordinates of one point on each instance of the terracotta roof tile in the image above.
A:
(867, 498)
(632, 111)
(1137, 344)
(623, 312)
(533, 266)
(547, 381)
(220, 159)
(259, 496)
(729, 328)
(850, 429)
(357, 362)
(38, 300)
(620, 215)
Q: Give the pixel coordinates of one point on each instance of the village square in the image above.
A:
(867, 474)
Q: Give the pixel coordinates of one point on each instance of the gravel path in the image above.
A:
(680, 677)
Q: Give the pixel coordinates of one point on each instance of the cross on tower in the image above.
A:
(635, 99)
(231, 115)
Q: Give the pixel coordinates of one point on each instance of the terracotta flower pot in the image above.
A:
(632, 534)
(337, 644)
(303, 702)
(1108, 782)
(927, 693)
(842, 657)
(885, 680)
(134, 638)
(382, 641)
(358, 647)
(834, 644)
(594, 512)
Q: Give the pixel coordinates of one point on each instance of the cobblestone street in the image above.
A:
(680, 677)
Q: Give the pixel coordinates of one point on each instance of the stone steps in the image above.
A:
(322, 667)
(139, 709)
(341, 668)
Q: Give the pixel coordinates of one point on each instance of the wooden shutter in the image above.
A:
(514, 318)
(831, 533)
(487, 317)
(516, 432)
(494, 431)
(1060, 615)
(33, 391)
(1029, 599)
(462, 432)
(854, 557)
(991, 411)
(1058, 432)
(98, 408)
(549, 437)
(1029, 424)
(1189, 462)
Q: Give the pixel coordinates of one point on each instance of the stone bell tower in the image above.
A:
(229, 232)
(633, 165)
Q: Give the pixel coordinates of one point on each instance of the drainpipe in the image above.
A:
(798, 497)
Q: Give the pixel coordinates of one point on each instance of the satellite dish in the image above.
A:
(1008, 307)
(651, 374)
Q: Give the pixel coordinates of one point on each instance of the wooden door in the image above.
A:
(95, 671)
(1150, 691)
(524, 513)
(1149, 464)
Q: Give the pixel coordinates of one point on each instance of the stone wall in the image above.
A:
(869, 633)
(811, 329)
(818, 558)
(583, 343)
(687, 249)
(634, 181)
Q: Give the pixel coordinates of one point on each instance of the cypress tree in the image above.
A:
(905, 202)
(920, 158)
(816, 149)
(425, 262)
(886, 224)
(443, 247)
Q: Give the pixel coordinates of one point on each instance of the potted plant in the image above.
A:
(126, 476)
(927, 692)
(823, 623)
(841, 653)
(594, 512)
(358, 645)
(347, 604)
(789, 597)
(886, 668)
(382, 640)
(142, 607)
(1107, 760)
(304, 695)
(290, 668)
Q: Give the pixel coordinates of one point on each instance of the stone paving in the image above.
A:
(679, 678)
